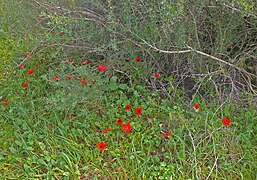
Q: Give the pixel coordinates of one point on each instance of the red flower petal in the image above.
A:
(5, 101)
(101, 146)
(22, 65)
(56, 78)
(106, 130)
(31, 71)
(126, 127)
(138, 59)
(226, 121)
(102, 68)
(119, 121)
(127, 107)
(196, 106)
(25, 84)
(68, 78)
(157, 75)
(167, 134)
(83, 81)
(85, 62)
(139, 111)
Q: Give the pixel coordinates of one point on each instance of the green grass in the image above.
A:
(39, 140)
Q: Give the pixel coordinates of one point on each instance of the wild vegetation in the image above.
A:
(128, 89)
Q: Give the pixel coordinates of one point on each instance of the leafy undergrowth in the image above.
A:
(50, 128)
(58, 105)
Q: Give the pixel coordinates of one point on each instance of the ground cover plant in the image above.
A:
(128, 89)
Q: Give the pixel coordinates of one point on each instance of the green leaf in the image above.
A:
(129, 113)
(85, 168)
(26, 167)
(180, 155)
(19, 143)
(48, 158)
(18, 121)
(114, 78)
(123, 86)
(80, 132)
(41, 161)
(41, 145)
(113, 86)
(12, 149)
(29, 148)
(66, 174)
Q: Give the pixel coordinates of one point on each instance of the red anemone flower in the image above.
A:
(138, 59)
(226, 121)
(126, 127)
(85, 62)
(56, 78)
(139, 111)
(68, 78)
(119, 121)
(127, 107)
(83, 81)
(31, 71)
(106, 130)
(196, 106)
(22, 65)
(62, 33)
(102, 68)
(5, 101)
(157, 75)
(167, 134)
(25, 85)
(101, 146)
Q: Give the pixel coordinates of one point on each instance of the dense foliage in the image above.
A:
(128, 89)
